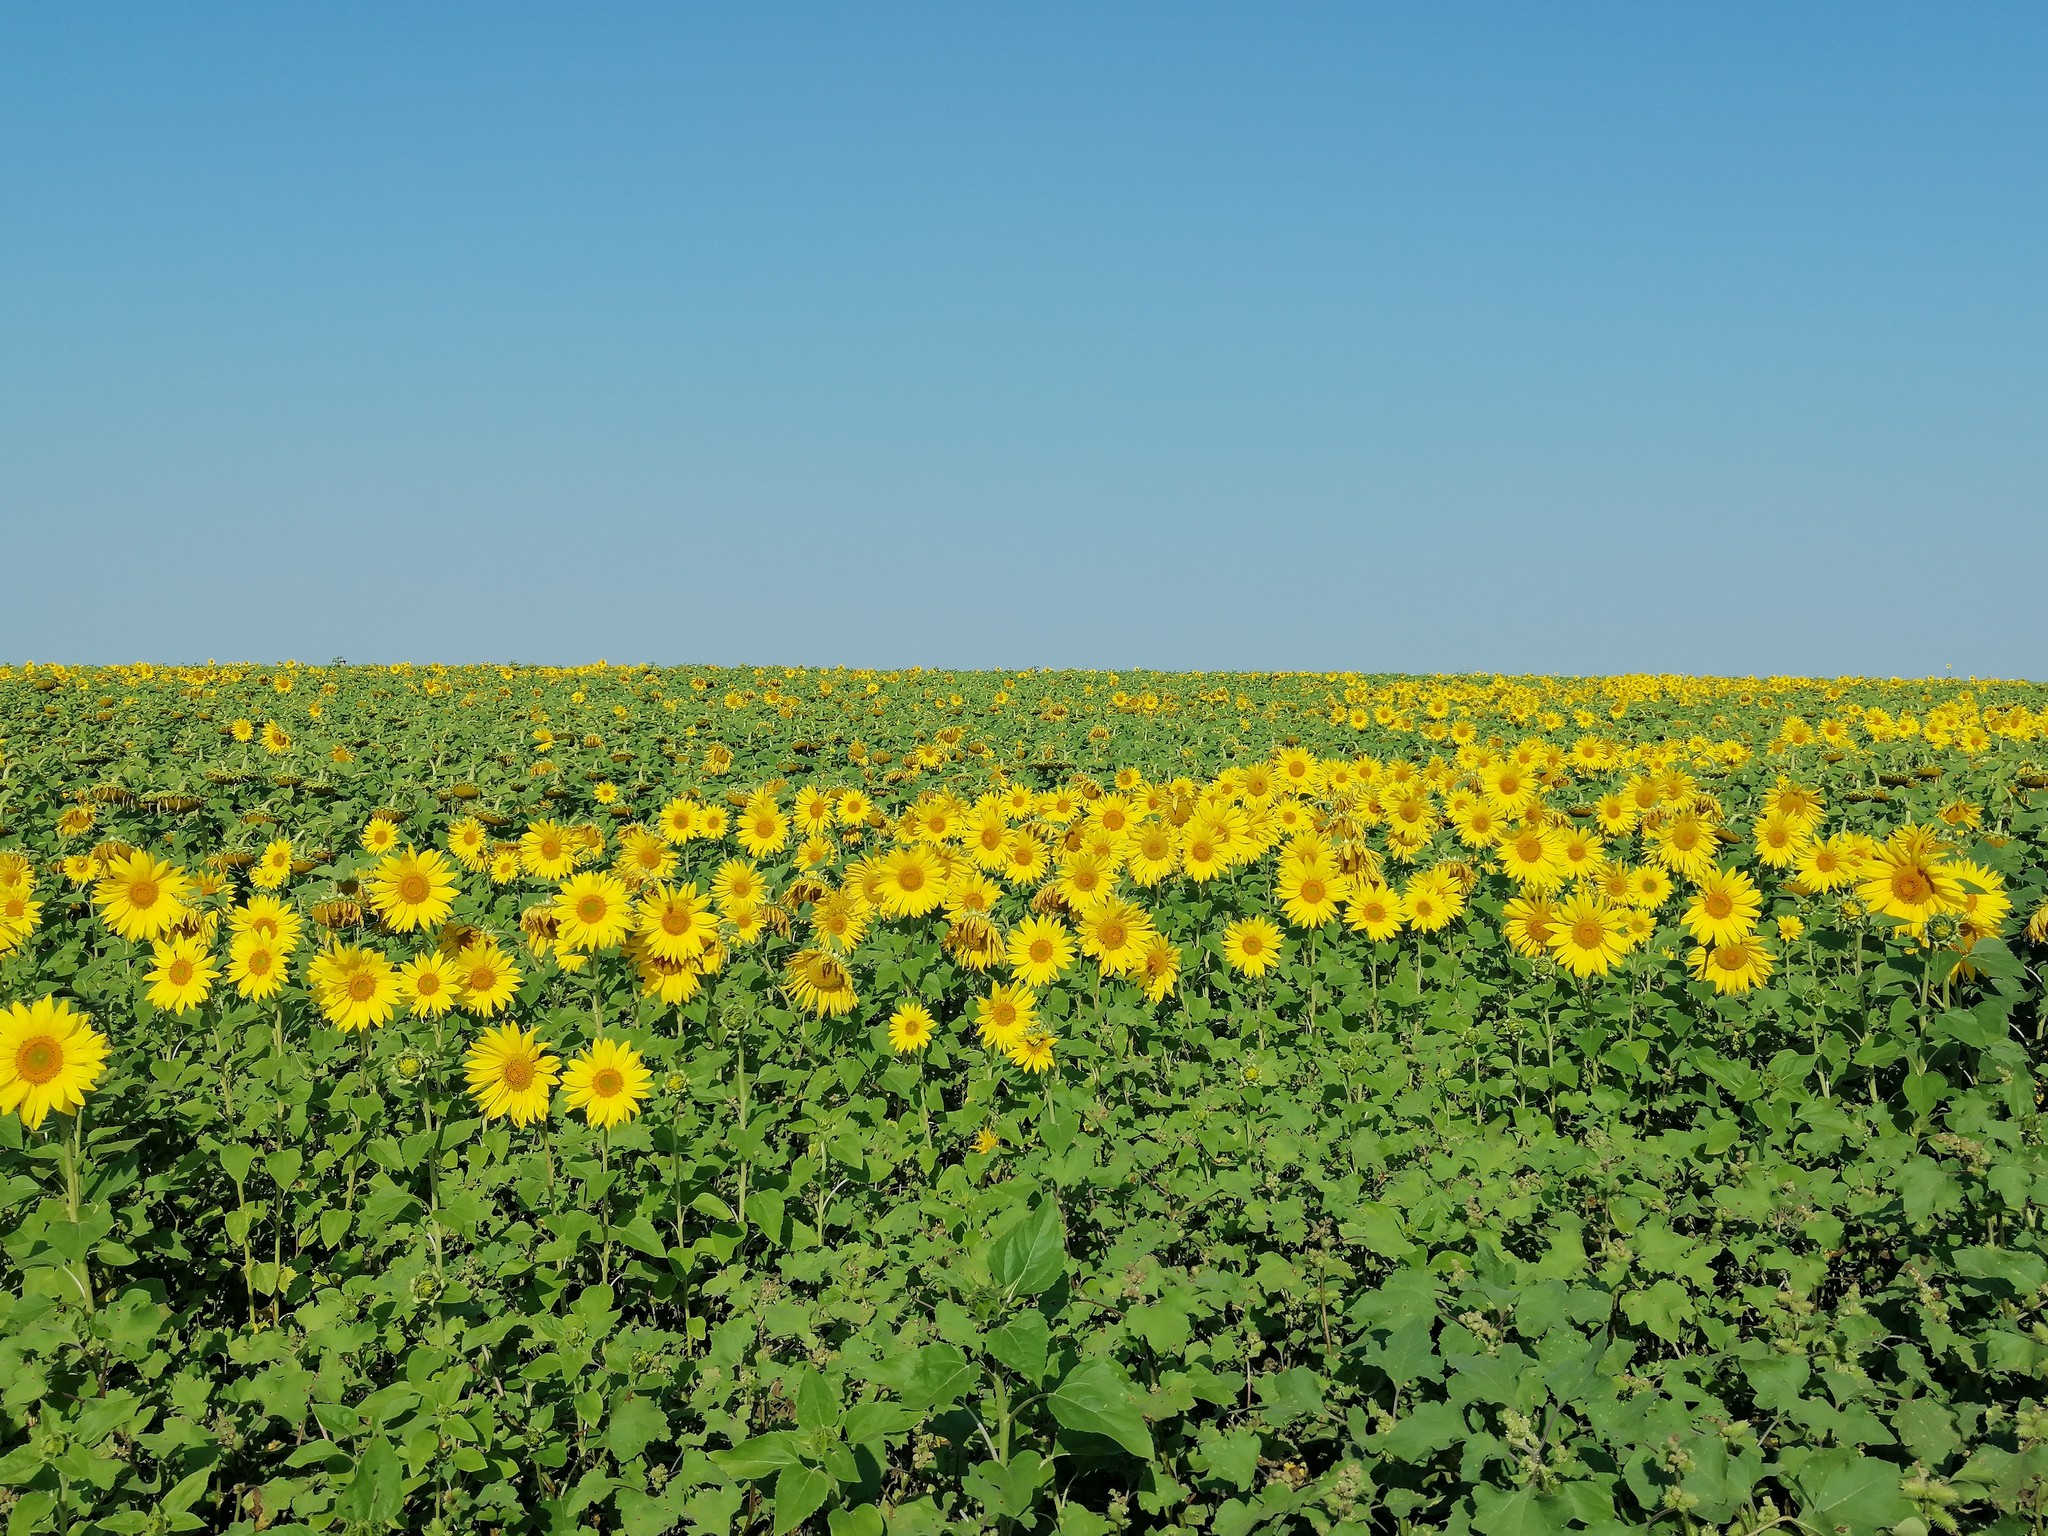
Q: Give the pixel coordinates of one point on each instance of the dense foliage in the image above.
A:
(1583, 1199)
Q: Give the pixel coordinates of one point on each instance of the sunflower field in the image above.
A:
(498, 1099)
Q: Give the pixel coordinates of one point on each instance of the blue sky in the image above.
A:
(1429, 337)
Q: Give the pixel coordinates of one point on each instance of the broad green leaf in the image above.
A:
(1097, 1398)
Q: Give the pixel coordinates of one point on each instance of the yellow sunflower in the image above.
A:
(50, 1058)
(510, 1074)
(607, 1082)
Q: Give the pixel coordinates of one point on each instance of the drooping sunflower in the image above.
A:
(182, 976)
(510, 1074)
(140, 897)
(413, 890)
(1038, 950)
(910, 1027)
(607, 1082)
(1251, 945)
(592, 912)
(50, 1058)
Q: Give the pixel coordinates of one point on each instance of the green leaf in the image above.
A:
(799, 1491)
(1022, 1344)
(761, 1455)
(1521, 1513)
(1032, 1256)
(375, 1493)
(1841, 1490)
(635, 1424)
(1096, 1398)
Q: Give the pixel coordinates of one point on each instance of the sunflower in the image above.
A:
(1005, 1016)
(1086, 876)
(677, 822)
(274, 867)
(1685, 845)
(1034, 1052)
(1151, 853)
(270, 918)
(737, 884)
(355, 987)
(50, 1057)
(1114, 933)
(486, 978)
(1159, 967)
(1038, 950)
(1310, 892)
(182, 976)
(607, 1082)
(1527, 923)
(1533, 857)
(1780, 839)
(1251, 945)
(470, 841)
(548, 850)
(380, 835)
(970, 893)
(912, 881)
(1433, 899)
(592, 912)
(1649, 888)
(643, 858)
(910, 1028)
(1735, 967)
(763, 829)
(1586, 936)
(428, 984)
(256, 965)
(413, 890)
(675, 922)
(140, 897)
(1724, 907)
(1374, 909)
(510, 1074)
(839, 919)
(1023, 858)
(1908, 880)
(820, 984)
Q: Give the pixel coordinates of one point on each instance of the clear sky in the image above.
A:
(1426, 337)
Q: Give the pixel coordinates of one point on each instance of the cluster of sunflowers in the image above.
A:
(1589, 850)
